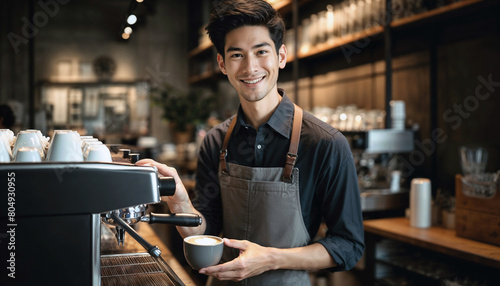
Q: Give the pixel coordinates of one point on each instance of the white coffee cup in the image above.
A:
(5, 152)
(99, 153)
(28, 154)
(43, 139)
(87, 138)
(9, 135)
(65, 147)
(87, 145)
(28, 139)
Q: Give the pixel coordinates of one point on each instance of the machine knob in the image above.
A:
(134, 157)
(125, 153)
(166, 186)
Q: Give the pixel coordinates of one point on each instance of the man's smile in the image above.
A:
(253, 80)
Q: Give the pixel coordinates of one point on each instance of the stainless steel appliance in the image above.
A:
(377, 156)
(50, 223)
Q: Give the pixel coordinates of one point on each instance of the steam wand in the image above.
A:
(153, 250)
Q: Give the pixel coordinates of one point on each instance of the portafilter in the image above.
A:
(122, 219)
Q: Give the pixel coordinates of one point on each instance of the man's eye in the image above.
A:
(236, 56)
(262, 52)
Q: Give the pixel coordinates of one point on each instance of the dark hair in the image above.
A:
(228, 15)
(7, 115)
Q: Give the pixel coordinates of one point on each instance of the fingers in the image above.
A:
(231, 270)
(162, 168)
(239, 244)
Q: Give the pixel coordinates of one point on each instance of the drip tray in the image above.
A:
(136, 269)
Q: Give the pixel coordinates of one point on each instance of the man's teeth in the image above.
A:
(253, 81)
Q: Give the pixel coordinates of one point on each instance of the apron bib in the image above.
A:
(262, 205)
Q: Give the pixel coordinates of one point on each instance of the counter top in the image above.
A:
(436, 239)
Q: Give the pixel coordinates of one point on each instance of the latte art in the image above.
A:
(203, 240)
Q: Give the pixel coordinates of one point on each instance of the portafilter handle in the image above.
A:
(179, 219)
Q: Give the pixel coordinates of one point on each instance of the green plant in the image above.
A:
(181, 109)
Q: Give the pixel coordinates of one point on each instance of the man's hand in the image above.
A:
(181, 197)
(179, 202)
(253, 260)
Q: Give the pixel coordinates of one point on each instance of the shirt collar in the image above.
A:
(281, 119)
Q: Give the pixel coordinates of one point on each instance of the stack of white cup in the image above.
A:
(65, 146)
(6, 141)
(398, 114)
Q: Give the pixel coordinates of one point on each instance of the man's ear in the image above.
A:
(282, 56)
(222, 66)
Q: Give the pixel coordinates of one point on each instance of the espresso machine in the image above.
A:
(378, 156)
(53, 212)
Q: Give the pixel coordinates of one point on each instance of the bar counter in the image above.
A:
(436, 240)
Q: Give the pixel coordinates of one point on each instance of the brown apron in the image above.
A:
(262, 205)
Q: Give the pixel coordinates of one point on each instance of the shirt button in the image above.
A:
(259, 146)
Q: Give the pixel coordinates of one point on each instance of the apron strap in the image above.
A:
(223, 151)
(291, 156)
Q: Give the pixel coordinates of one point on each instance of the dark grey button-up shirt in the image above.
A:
(327, 176)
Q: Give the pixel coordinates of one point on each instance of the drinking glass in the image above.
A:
(473, 160)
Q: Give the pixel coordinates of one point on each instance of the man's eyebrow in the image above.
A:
(233, 49)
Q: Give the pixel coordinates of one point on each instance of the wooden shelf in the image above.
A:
(330, 46)
(436, 239)
(434, 12)
(200, 49)
(337, 43)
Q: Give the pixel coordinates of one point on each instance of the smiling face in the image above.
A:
(251, 62)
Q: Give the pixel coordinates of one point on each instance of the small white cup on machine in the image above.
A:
(28, 154)
(5, 151)
(66, 146)
(28, 139)
(98, 153)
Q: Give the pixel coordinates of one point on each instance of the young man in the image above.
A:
(269, 176)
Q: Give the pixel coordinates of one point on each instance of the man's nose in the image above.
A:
(250, 64)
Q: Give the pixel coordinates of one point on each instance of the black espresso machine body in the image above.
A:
(51, 216)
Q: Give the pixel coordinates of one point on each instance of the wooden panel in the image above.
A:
(477, 218)
(478, 225)
(486, 205)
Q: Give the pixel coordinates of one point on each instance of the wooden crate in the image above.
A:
(477, 218)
